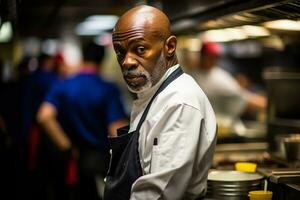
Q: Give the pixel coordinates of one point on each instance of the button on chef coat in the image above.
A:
(176, 141)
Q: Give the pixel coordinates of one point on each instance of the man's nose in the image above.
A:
(129, 62)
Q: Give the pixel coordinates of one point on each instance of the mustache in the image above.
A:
(133, 72)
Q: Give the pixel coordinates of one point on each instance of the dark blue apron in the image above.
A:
(125, 167)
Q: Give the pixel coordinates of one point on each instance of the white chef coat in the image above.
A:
(182, 122)
(227, 97)
(218, 82)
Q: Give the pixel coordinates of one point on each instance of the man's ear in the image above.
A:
(170, 46)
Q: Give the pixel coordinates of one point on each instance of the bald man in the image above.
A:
(167, 150)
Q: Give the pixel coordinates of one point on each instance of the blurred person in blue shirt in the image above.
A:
(79, 113)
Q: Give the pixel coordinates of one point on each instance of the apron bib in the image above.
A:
(125, 167)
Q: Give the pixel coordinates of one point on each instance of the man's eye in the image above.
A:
(140, 49)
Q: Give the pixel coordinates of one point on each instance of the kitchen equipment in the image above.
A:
(292, 147)
(260, 195)
(281, 175)
(288, 146)
(232, 185)
(283, 111)
(285, 178)
(245, 166)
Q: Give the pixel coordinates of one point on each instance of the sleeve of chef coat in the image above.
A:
(181, 158)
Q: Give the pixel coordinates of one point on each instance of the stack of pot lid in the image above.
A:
(229, 184)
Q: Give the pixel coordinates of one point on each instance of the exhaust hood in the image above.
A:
(199, 15)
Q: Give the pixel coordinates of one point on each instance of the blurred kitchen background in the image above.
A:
(259, 47)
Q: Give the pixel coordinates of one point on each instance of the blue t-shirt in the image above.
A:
(86, 105)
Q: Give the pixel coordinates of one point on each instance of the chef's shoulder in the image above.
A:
(184, 90)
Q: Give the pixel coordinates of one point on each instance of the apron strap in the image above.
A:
(175, 74)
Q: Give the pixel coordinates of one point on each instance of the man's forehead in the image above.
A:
(140, 21)
(129, 29)
(128, 33)
(136, 32)
(135, 19)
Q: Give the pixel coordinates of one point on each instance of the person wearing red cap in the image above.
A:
(226, 95)
(211, 78)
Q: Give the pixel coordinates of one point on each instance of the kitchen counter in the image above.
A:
(283, 191)
(226, 155)
(283, 182)
(294, 186)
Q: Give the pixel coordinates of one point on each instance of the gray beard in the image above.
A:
(157, 74)
(141, 88)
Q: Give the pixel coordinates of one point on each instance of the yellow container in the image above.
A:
(260, 195)
(245, 166)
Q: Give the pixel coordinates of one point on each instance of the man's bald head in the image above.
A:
(144, 46)
(146, 18)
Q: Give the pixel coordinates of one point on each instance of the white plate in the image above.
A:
(226, 175)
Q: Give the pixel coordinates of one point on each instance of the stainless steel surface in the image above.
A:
(285, 178)
(52, 18)
(294, 186)
(290, 142)
(229, 176)
(240, 147)
(195, 15)
(267, 172)
(286, 172)
(281, 175)
(292, 147)
(283, 112)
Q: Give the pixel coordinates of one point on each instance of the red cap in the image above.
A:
(59, 58)
(211, 48)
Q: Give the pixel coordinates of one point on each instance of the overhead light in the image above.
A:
(6, 32)
(274, 42)
(216, 36)
(96, 24)
(255, 31)
(233, 34)
(283, 24)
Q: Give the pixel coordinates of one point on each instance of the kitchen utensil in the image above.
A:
(260, 195)
(245, 166)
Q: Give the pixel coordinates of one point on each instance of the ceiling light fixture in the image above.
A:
(6, 32)
(234, 34)
(255, 31)
(284, 24)
(96, 24)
